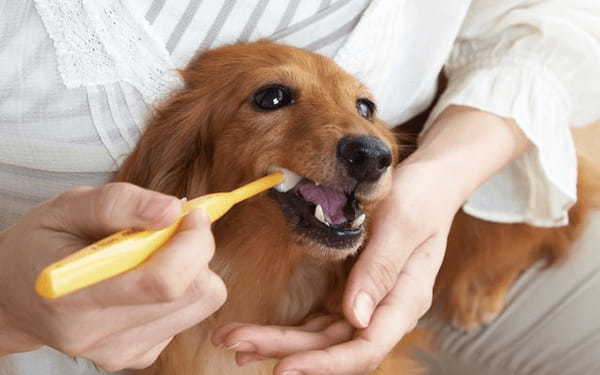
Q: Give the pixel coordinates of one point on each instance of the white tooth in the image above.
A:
(320, 215)
(359, 221)
(290, 179)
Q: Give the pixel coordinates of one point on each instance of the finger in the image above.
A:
(116, 350)
(172, 272)
(147, 359)
(219, 335)
(396, 315)
(98, 212)
(318, 323)
(67, 333)
(277, 342)
(378, 266)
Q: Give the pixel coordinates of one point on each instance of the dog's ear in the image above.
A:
(174, 154)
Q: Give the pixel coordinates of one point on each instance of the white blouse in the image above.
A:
(79, 78)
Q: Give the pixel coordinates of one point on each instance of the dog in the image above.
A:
(248, 109)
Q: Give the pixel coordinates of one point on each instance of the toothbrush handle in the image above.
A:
(101, 260)
(118, 253)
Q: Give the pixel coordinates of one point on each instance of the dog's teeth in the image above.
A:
(320, 215)
(290, 179)
(359, 221)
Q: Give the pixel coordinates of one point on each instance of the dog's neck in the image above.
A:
(270, 280)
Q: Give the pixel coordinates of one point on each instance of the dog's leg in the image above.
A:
(484, 259)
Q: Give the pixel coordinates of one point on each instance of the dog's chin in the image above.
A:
(323, 253)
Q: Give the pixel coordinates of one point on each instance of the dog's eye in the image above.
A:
(273, 97)
(365, 108)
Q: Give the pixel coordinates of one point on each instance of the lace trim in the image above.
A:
(104, 41)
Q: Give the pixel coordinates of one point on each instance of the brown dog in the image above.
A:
(249, 108)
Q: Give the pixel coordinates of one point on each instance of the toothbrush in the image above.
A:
(129, 248)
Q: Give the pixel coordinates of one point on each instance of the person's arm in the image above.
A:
(169, 293)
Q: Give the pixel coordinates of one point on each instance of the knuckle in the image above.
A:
(427, 300)
(424, 289)
(160, 286)
(210, 245)
(219, 290)
(73, 344)
(112, 364)
(384, 273)
(109, 199)
(144, 363)
(53, 211)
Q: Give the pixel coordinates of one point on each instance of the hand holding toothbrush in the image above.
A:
(172, 291)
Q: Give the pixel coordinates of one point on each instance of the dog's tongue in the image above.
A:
(331, 200)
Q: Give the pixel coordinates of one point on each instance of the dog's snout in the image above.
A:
(365, 158)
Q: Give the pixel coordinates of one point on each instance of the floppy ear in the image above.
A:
(173, 155)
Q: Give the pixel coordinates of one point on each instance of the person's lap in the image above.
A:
(551, 324)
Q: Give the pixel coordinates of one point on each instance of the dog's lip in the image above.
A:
(299, 198)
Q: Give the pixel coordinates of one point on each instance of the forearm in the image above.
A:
(466, 146)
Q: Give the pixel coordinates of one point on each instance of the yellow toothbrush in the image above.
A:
(129, 248)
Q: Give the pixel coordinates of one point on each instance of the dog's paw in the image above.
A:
(474, 302)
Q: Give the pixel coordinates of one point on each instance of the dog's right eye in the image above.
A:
(273, 97)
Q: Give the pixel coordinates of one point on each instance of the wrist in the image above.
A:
(463, 148)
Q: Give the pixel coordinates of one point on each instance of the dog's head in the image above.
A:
(249, 109)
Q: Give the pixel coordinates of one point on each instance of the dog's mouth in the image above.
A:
(327, 214)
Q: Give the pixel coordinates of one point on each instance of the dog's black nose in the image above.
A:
(365, 158)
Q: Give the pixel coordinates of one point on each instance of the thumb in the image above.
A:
(378, 267)
(370, 281)
(97, 212)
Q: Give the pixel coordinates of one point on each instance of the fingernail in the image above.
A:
(242, 346)
(293, 372)
(363, 308)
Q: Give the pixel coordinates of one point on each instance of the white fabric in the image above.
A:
(533, 62)
(102, 42)
(73, 106)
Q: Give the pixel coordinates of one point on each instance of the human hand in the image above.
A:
(390, 286)
(388, 290)
(171, 292)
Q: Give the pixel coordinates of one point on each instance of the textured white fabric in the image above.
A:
(532, 62)
(102, 42)
(78, 83)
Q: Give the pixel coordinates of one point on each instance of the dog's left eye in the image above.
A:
(273, 97)
(365, 108)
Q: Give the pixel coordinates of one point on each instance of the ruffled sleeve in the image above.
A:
(537, 62)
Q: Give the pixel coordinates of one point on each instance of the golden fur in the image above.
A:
(207, 138)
